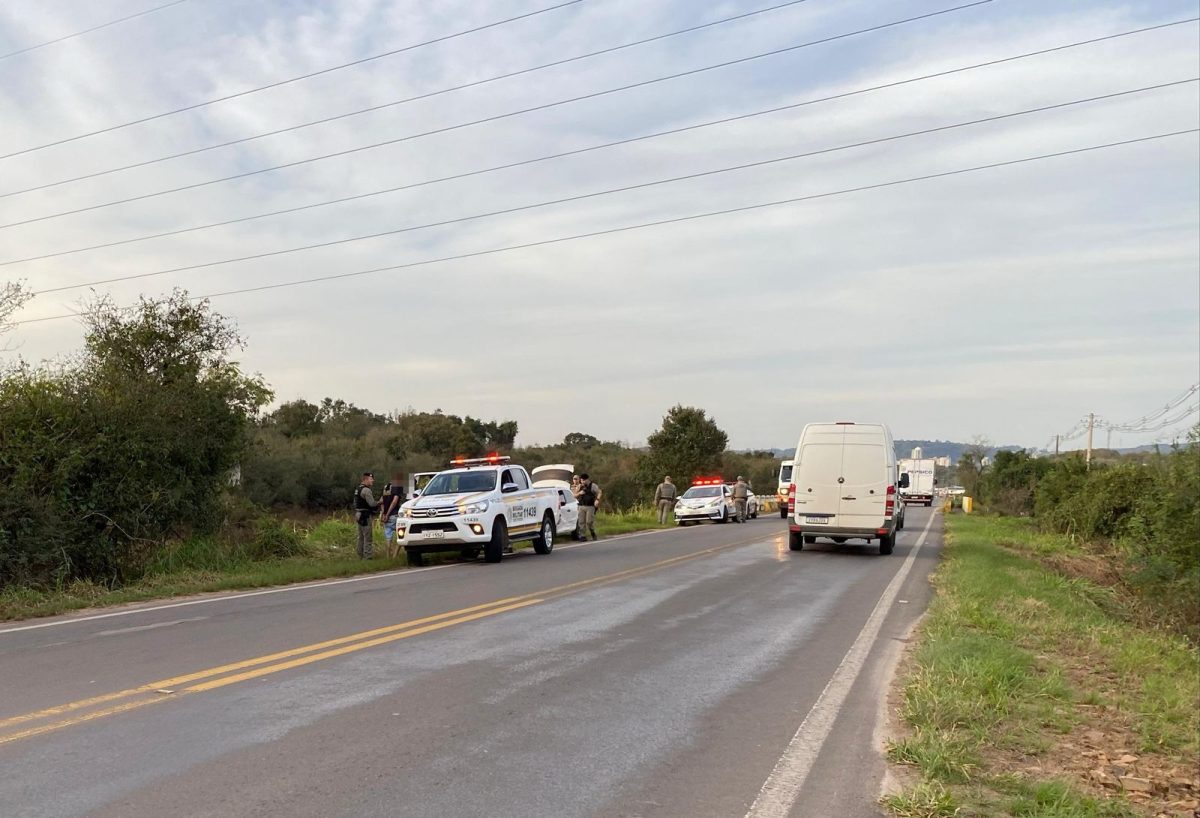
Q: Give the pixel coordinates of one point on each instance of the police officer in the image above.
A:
(365, 505)
(588, 494)
(664, 499)
(741, 498)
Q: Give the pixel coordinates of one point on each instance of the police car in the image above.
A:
(480, 504)
(711, 498)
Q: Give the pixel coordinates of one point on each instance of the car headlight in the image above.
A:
(477, 507)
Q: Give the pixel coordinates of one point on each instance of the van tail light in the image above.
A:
(890, 508)
(791, 497)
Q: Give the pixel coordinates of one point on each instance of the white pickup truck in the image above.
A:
(479, 504)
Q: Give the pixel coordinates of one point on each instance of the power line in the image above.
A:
(494, 118)
(1140, 423)
(623, 189)
(427, 95)
(290, 80)
(664, 222)
(590, 148)
(65, 37)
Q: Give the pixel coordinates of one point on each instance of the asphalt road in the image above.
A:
(706, 671)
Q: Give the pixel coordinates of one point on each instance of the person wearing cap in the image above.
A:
(741, 498)
(664, 499)
(588, 494)
(365, 506)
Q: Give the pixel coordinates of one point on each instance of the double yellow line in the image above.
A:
(97, 707)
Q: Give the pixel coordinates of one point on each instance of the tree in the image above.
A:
(13, 296)
(297, 418)
(971, 464)
(127, 445)
(579, 440)
(688, 444)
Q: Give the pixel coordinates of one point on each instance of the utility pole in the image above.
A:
(1091, 428)
(1108, 440)
(1056, 437)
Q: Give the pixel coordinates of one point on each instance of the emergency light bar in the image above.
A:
(492, 459)
(708, 481)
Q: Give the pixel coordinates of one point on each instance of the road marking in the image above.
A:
(305, 586)
(778, 795)
(276, 662)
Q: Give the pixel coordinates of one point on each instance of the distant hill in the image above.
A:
(930, 448)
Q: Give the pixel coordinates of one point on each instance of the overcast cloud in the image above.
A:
(1005, 303)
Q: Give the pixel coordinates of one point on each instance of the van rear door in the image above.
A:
(864, 492)
(815, 475)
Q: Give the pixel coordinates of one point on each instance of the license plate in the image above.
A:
(817, 520)
(435, 535)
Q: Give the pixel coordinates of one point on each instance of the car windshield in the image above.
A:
(702, 491)
(461, 482)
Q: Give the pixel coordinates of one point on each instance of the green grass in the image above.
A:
(1007, 652)
(278, 553)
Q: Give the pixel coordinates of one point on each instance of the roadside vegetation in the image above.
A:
(147, 465)
(1057, 673)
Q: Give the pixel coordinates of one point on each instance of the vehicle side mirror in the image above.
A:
(904, 480)
(509, 488)
(416, 494)
(935, 481)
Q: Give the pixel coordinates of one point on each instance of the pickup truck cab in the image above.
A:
(484, 504)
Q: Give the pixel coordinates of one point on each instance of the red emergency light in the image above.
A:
(708, 481)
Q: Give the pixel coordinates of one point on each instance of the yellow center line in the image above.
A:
(297, 657)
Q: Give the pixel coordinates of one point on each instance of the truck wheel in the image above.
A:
(415, 559)
(543, 543)
(796, 541)
(887, 544)
(493, 549)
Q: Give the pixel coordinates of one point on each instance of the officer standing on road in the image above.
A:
(588, 494)
(741, 497)
(365, 505)
(664, 499)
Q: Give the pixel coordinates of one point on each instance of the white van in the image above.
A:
(844, 485)
(785, 480)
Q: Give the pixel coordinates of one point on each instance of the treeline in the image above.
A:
(152, 437)
(1147, 505)
(309, 456)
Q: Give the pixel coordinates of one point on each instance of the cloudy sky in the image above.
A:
(1005, 302)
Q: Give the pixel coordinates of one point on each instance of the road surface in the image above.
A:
(705, 671)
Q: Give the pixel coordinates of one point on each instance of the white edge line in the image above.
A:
(779, 793)
(305, 586)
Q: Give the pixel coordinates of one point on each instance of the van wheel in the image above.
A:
(415, 559)
(887, 544)
(796, 541)
(493, 549)
(543, 543)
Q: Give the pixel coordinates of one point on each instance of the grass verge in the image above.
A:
(278, 554)
(1030, 694)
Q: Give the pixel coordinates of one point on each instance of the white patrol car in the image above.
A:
(710, 498)
(479, 504)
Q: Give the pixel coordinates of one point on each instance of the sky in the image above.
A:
(1004, 303)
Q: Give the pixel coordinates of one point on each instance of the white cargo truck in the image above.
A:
(921, 482)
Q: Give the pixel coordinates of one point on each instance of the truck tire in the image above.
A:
(796, 541)
(415, 559)
(887, 544)
(543, 543)
(493, 549)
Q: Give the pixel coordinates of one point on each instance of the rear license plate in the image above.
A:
(817, 520)
(435, 535)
